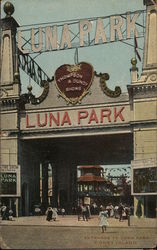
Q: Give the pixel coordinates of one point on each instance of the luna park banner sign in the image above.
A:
(59, 36)
(73, 81)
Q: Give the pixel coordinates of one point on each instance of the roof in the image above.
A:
(91, 166)
(87, 178)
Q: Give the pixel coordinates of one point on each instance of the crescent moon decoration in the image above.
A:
(37, 100)
(105, 89)
(29, 97)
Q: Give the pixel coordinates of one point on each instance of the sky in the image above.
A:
(113, 58)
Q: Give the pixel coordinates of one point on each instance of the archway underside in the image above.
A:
(108, 149)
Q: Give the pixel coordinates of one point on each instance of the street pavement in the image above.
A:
(34, 232)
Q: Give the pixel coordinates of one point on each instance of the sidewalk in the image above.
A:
(68, 220)
(71, 220)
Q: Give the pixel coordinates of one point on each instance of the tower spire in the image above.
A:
(150, 48)
(9, 64)
(149, 69)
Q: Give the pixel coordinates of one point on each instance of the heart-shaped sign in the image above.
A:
(73, 81)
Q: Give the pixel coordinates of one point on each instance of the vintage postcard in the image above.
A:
(78, 124)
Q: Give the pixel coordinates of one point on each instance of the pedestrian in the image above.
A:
(127, 211)
(131, 210)
(63, 211)
(89, 211)
(103, 219)
(54, 215)
(85, 213)
(37, 210)
(49, 214)
(79, 212)
(124, 214)
(10, 214)
(116, 212)
(111, 210)
(120, 211)
(3, 212)
(108, 210)
(7, 213)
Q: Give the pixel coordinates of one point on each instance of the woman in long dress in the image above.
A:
(54, 215)
(103, 219)
(49, 213)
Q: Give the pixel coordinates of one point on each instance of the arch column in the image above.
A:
(44, 185)
(54, 185)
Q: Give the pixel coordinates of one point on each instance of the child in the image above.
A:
(10, 214)
(103, 219)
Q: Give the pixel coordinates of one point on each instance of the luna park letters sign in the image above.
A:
(84, 30)
(10, 180)
(75, 118)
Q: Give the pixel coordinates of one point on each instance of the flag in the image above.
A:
(136, 47)
(154, 2)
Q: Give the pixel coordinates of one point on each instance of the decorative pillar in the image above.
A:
(73, 185)
(134, 70)
(143, 100)
(36, 166)
(9, 91)
(54, 185)
(45, 185)
(150, 49)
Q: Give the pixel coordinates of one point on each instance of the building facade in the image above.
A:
(77, 129)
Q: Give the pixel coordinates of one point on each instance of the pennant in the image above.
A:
(154, 2)
(136, 47)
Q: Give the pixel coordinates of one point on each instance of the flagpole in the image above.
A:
(76, 56)
(135, 44)
(136, 47)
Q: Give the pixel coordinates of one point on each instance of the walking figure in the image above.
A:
(85, 213)
(10, 214)
(54, 215)
(120, 211)
(49, 213)
(3, 212)
(79, 212)
(63, 212)
(103, 219)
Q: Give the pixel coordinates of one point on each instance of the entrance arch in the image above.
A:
(65, 154)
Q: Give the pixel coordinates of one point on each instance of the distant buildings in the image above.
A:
(94, 187)
(93, 184)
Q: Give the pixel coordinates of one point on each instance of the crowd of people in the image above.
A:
(121, 211)
(83, 212)
(6, 212)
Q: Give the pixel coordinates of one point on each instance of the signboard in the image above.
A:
(80, 33)
(144, 177)
(73, 81)
(87, 200)
(145, 181)
(10, 181)
(75, 118)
